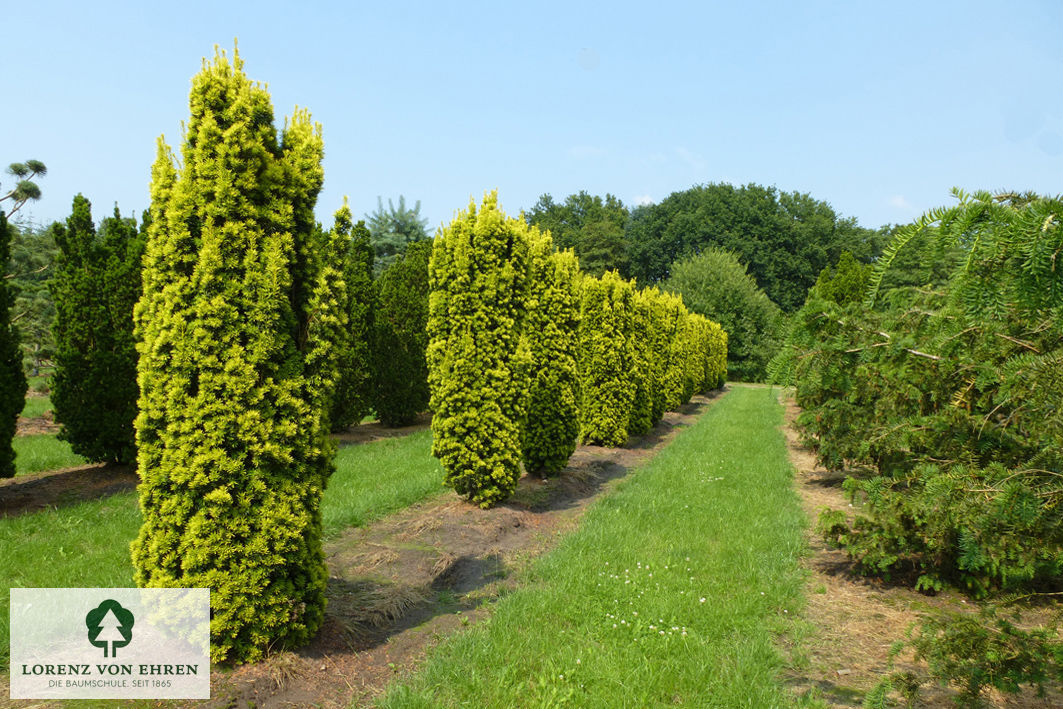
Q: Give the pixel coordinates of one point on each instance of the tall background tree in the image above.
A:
(400, 338)
(238, 329)
(716, 284)
(12, 377)
(785, 239)
(393, 229)
(592, 226)
(353, 398)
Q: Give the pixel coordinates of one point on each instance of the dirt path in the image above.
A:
(400, 585)
(33, 492)
(855, 620)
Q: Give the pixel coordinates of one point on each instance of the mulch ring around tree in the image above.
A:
(400, 585)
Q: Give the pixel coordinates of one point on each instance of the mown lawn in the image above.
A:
(43, 451)
(673, 590)
(87, 544)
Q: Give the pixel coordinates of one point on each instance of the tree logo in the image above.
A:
(109, 624)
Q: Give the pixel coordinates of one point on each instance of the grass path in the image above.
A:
(673, 591)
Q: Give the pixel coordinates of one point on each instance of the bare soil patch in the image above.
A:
(34, 425)
(58, 488)
(856, 619)
(403, 583)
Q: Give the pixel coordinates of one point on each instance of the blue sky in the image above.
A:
(878, 108)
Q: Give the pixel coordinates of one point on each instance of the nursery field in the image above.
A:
(689, 545)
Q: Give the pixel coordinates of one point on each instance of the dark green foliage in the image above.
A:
(606, 359)
(591, 226)
(12, 378)
(25, 188)
(551, 330)
(33, 254)
(785, 239)
(353, 398)
(96, 285)
(978, 652)
(400, 338)
(716, 284)
(478, 281)
(393, 229)
(237, 333)
(846, 282)
(948, 398)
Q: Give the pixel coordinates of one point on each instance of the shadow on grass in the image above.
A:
(61, 488)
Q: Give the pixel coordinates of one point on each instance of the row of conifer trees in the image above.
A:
(527, 355)
(242, 335)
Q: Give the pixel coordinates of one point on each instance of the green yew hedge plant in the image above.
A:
(606, 359)
(477, 357)
(96, 285)
(12, 377)
(400, 337)
(238, 329)
(551, 329)
(353, 397)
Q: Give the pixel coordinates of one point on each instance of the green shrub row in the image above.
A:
(526, 355)
(944, 396)
(641, 353)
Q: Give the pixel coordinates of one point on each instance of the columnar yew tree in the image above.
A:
(237, 332)
(478, 280)
(353, 396)
(553, 385)
(400, 340)
(96, 285)
(12, 378)
(607, 385)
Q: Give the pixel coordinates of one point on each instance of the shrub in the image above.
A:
(352, 400)
(237, 334)
(12, 378)
(551, 329)
(400, 338)
(478, 282)
(96, 285)
(606, 361)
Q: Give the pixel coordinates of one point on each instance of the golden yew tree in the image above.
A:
(243, 304)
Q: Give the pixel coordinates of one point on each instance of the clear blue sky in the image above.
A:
(875, 107)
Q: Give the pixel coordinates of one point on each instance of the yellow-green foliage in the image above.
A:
(478, 282)
(237, 327)
(672, 314)
(645, 367)
(715, 356)
(551, 329)
(607, 384)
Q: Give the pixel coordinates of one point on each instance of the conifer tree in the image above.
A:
(551, 330)
(644, 364)
(607, 382)
(12, 378)
(354, 388)
(393, 230)
(237, 334)
(478, 280)
(400, 338)
(96, 285)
